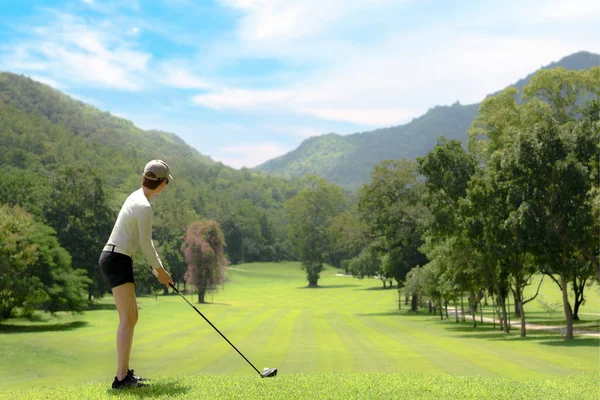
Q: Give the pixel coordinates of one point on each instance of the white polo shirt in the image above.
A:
(134, 228)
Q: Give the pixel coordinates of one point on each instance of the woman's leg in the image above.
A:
(124, 296)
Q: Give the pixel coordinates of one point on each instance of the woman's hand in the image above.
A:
(163, 276)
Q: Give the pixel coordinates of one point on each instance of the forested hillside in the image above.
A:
(348, 160)
(68, 166)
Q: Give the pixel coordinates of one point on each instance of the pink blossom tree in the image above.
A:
(203, 250)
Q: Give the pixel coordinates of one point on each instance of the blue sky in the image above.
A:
(244, 81)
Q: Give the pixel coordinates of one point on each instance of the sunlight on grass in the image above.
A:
(322, 340)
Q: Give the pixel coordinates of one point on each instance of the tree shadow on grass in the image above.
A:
(546, 338)
(101, 306)
(391, 313)
(67, 326)
(342, 286)
(158, 389)
(209, 303)
(377, 288)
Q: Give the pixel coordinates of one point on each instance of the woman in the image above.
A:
(133, 229)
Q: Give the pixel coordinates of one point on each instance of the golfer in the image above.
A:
(133, 229)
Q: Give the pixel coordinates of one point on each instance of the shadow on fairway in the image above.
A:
(67, 326)
(158, 389)
(577, 342)
(375, 288)
(342, 286)
(395, 313)
(547, 338)
(96, 306)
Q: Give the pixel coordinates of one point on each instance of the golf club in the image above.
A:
(267, 373)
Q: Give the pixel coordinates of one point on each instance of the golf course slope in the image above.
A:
(346, 339)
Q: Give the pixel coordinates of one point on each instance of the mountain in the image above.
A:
(45, 134)
(348, 160)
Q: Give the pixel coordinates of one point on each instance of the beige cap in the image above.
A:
(159, 168)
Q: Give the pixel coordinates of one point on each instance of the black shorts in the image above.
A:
(116, 268)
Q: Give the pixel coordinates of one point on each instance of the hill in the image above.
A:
(47, 137)
(348, 160)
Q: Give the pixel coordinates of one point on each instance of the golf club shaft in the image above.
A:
(214, 327)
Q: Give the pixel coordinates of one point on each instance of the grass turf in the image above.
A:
(321, 335)
(312, 386)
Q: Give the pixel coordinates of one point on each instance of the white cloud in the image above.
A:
(280, 21)
(249, 155)
(72, 49)
(241, 99)
(395, 80)
(566, 11)
(174, 75)
(87, 1)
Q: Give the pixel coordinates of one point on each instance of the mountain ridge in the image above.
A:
(352, 167)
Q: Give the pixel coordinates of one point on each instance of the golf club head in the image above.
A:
(269, 373)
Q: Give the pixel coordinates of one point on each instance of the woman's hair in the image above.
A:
(151, 183)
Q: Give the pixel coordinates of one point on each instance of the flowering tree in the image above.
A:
(203, 252)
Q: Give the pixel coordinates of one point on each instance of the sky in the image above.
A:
(245, 81)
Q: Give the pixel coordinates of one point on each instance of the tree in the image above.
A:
(555, 213)
(171, 219)
(79, 211)
(203, 249)
(392, 206)
(540, 182)
(35, 272)
(348, 235)
(368, 264)
(310, 213)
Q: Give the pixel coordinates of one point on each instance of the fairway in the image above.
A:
(266, 311)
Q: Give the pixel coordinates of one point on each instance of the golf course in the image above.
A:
(345, 339)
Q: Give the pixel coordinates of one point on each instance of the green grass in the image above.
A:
(377, 386)
(320, 339)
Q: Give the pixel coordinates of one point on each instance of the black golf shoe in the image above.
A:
(135, 377)
(127, 382)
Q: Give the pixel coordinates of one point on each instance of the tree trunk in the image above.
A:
(446, 307)
(441, 310)
(508, 310)
(522, 315)
(493, 314)
(578, 289)
(201, 294)
(502, 304)
(429, 306)
(517, 306)
(414, 303)
(462, 308)
(567, 308)
(473, 304)
(406, 299)
(456, 310)
(399, 299)
(481, 314)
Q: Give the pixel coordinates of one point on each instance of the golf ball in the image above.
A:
(266, 369)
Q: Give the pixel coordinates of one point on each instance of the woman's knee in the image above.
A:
(128, 319)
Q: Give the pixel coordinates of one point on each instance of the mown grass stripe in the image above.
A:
(301, 356)
(501, 363)
(333, 354)
(378, 352)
